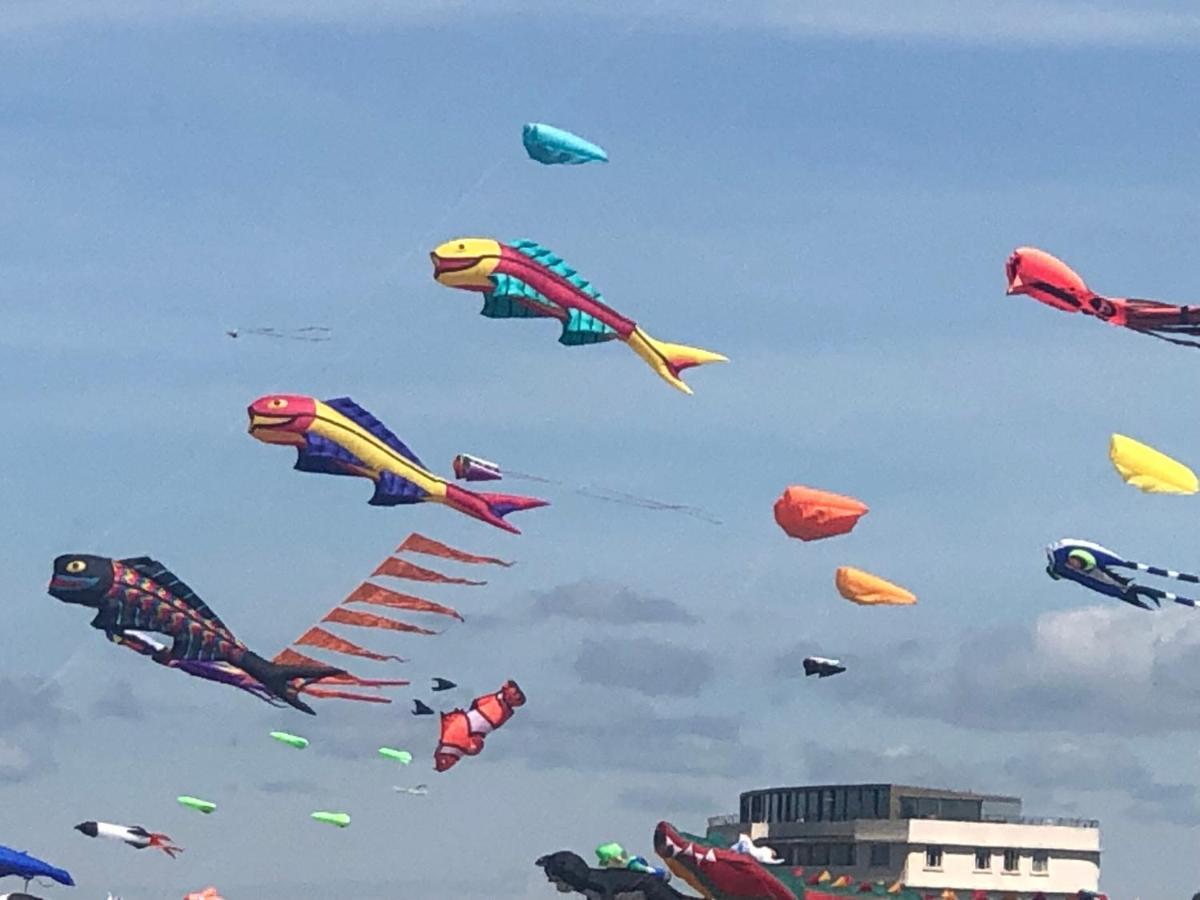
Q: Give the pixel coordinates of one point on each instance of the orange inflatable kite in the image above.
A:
(809, 514)
(866, 589)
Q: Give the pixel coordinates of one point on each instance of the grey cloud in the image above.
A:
(597, 601)
(118, 700)
(1089, 670)
(288, 786)
(30, 714)
(653, 668)
(666, 802)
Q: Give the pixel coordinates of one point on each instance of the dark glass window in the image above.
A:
(908, 807)
(983, 859)
(813, 811)
(927, 807)
(960, 810)
(881, 855)
(883, 799)
(854, 804)
(933, 857)
(744, 811)
(1012, 860)
(827, 805)
(839, 805)
(756, 808)
(820, 855)
(841, 855)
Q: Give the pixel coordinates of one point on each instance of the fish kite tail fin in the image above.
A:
(668, 359)
(281, 681)
(490, 508)
(163, 843)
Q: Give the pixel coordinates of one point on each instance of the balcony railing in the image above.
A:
(1034, 820)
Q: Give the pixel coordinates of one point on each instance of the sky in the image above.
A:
(825, 192)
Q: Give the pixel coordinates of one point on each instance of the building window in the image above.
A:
(1012, 860)
(933, 857)
(841, 855)
(1041, 863)
(820, 855)
(881, 855)
(983, 860)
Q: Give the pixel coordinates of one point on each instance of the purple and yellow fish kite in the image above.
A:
(525, 280)
(339, 437)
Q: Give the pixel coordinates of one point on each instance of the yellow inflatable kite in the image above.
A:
(866, 589)
(1147, 469)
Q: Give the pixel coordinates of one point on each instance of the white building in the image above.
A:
(927, 839)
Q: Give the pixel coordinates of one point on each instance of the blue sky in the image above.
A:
(825, 193)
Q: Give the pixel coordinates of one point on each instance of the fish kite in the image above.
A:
(809, 514)
(20, 895)
(554, 146)
(136, 597)
(822, 667)
(339, 437)
(463, 731)
(1148, 469)
(1037, 274)
(133, 835)
(866, 589)
(525, 280)
(1092, 566)
(21, 864)
(569, 872)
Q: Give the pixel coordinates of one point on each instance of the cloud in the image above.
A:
(667, 802)
(288, 786)
(1090, 670)
(30, 714)
(653, 668)
(1017, 22)
(118, 701)
(597, 601)
(630, 737)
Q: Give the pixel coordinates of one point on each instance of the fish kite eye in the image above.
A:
(76, 566)
(1081, 559)
(277, 403)
(462, 246)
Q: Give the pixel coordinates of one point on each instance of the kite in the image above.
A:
(418, 543)
(197, 804)
(209, 893)
(569, 872)
(713, 870)
(401, 756)
(133, 835)
(554, 146)
(822, 667)
(420, 709)
(1092, 566)
(463, 731)
(525, 280)
(419, 791)
(473, 468)
(20, 895)
(21, 864)
(394, 567)
(315, 334)
(866, 589)
(809, 514)
(339, 437)
(292, 740)
(1148, 469)
(341, 820)
(135, 596)
(763, 855)
(613, 856)
(1037, 274)
(443, 684)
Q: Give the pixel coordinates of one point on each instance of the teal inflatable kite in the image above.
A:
(555, 147)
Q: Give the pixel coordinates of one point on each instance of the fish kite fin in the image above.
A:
(368, 422)
(668, 360)
(163, 843)
(512, 298)
(581, 328)
(490, 508)
(280, 680)
(392, 490)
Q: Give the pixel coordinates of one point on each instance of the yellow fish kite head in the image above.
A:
(466, 262)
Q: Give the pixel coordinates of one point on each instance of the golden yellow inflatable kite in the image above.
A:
(1148, 469)
(866, 589)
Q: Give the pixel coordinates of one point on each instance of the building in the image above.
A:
(925, 838)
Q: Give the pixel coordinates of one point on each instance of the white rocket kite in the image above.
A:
(133, 835)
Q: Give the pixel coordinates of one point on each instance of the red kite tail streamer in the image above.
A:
(418, 543)
(367, 620)
(345, 695)
(319, 637)
(381, 596)
(290, 657)
(398, 568)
